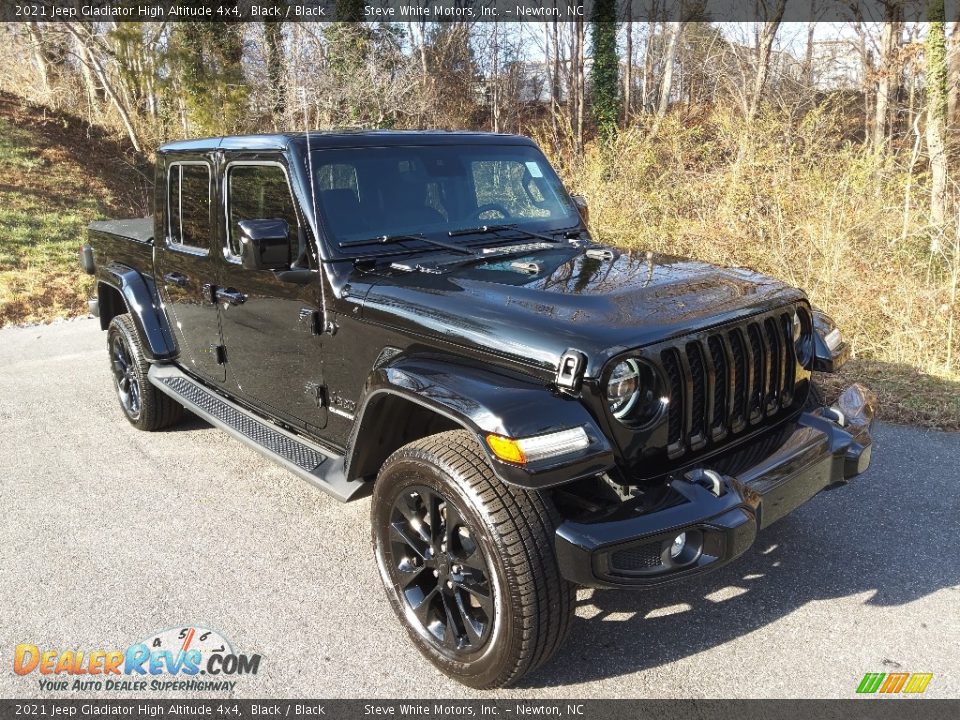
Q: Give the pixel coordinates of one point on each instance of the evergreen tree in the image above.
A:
(209, 57)
(606, 66)
(935, 80)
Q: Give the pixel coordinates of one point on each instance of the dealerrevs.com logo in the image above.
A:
(178, 659)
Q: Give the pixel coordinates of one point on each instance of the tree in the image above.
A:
(577, 81)
(768, 33)
(935, 76)
(84, 37)
(628, 65)
(666, 82)
(953, 94)
(276, 68)
(347, 39)
(606, 64)
(209, 81)
(454, 75)
(889, 74)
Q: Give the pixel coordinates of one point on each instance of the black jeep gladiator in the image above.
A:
(424, 316)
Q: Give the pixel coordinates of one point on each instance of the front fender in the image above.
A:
(483, 402)
(143, 303)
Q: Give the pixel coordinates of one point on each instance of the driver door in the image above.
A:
(269, 325)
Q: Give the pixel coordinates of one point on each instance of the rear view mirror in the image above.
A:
(265, 244)
(581, 202)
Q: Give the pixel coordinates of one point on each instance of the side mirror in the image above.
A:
(581, 202)
(265, 244)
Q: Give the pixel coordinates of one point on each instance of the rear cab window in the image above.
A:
(188, 207)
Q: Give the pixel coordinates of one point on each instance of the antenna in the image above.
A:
(316, 213)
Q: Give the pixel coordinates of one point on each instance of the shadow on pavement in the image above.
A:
(885, 534)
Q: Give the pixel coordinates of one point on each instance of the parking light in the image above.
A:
(539, 447)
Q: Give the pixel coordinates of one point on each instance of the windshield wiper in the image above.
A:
(391, 239)
(487, 229)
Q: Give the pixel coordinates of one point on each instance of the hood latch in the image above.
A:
(570, 372)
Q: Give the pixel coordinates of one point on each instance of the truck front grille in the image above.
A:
(728, 380)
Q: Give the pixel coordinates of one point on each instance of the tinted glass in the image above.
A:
(367, 192)
(261, 192)
(189, 203)
(510, 185)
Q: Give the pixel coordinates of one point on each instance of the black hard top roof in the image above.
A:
(345, 138)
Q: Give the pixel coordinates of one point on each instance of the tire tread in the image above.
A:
(523, 523)
(157, 411)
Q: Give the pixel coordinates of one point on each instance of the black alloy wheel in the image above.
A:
(144, 406)
(435, 560)
(468, 562)
(125, 376)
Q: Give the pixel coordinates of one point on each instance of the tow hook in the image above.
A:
(710, 479)
(857, 406)
(835, 414)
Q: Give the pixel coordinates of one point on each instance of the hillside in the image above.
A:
(57, 173)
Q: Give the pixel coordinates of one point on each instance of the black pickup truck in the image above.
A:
(423, 316)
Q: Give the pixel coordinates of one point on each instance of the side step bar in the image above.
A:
(298, 455)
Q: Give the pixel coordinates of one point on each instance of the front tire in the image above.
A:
(144, 406)
(468, 562)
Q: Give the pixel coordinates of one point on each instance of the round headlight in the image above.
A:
(623, 388)
(803, 337)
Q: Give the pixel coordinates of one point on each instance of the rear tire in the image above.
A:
(468, 562)
(144, 406)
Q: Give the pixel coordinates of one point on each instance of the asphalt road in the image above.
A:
(109, 534)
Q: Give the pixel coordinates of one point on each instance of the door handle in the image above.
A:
(233, 297)
(175, 278)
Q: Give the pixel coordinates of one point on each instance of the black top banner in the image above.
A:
(465, 10)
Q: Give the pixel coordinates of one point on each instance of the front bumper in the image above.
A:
(720, 515)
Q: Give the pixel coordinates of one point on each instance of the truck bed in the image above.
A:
(136, 229)
(127, 243)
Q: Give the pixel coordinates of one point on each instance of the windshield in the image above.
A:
(367, 193)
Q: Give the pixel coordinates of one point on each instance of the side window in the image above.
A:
(261, 192)
(188, 201)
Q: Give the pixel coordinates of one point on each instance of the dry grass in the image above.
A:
(56, 174)
(788, 198)
(904, 394)
(785, 196)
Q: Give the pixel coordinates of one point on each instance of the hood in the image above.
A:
(534, 307)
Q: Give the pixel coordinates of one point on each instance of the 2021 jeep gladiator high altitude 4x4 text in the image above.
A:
(424, 316)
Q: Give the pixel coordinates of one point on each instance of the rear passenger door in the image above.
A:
(274, 356)
(185, 267)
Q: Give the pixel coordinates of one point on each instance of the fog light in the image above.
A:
(678, 544)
